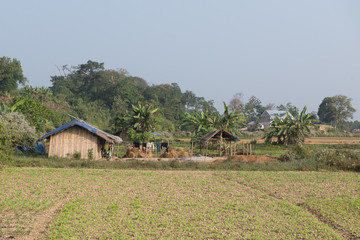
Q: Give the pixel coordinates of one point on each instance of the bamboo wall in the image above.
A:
(74, 140)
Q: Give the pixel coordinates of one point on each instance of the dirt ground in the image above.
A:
(247, 158)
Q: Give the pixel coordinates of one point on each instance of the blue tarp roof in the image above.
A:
(107, 136)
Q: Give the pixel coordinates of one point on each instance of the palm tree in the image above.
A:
(140, 121)
(277, 130)
(290, 130)
(204, 122)
(143, 117)
(229, 121)
(199, 122)
(300, 126)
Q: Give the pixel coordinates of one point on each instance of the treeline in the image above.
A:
(101, 96)
(98, 95)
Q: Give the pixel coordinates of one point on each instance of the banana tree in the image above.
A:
(231, 120)
(290, 131)
(199, 122)
(300, 126)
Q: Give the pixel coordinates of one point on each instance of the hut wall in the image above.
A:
(74, 140)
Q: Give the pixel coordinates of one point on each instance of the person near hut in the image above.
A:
(104, 154)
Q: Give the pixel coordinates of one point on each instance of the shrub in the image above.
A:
(16, 130)
(340, 159)
(337, 159)
(91, 153)
(77, 155)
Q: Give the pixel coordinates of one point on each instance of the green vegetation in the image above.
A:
(202, 123)
(110, 204)
(55, 198)
(11, 74)
(139, 123)
(337, 158)
(336, 109)
(290, 130)
(292, 158)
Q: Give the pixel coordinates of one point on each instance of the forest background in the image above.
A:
(102, 96)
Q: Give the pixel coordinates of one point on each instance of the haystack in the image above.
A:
(172, 153)
(137, 153)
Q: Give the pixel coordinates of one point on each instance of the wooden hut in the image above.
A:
(78, 137)
(219, 136)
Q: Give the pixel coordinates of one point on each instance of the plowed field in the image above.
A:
(37, 203)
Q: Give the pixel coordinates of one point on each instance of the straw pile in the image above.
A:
(172, 153)
(137, 153)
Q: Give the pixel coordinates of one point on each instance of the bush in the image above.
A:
(77, 155)
(15, 129)
(337, 159)
(340, 159)
(91, 153)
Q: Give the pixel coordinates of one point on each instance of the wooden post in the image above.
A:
(230, 149)
(220, 141)
(191, 150)
(207, 147)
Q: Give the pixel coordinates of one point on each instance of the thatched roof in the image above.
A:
(100, 133)
(215, 135)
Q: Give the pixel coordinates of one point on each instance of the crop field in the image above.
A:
(45, 203)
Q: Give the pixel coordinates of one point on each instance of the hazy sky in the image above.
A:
(279, 51)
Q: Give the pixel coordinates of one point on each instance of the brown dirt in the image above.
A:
(247, 158)
(332, 140)
(41, 224)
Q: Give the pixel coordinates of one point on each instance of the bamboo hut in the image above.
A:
(78, 137)
(220, 136)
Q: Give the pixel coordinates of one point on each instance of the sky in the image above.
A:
(279, 51)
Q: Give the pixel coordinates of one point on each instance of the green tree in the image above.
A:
(143, 117)
(288, 108)
(34, 110)
(291, 131)
(253, 109)
(11, 74)
(199, 123)
(231, 120)
(335, 110)
(139, 122)
(203, 122)
(193, 103)
(300, 126)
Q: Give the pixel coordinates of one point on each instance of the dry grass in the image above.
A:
(316, 140)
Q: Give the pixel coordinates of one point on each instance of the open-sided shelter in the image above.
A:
(76, 137)
(219, 136)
